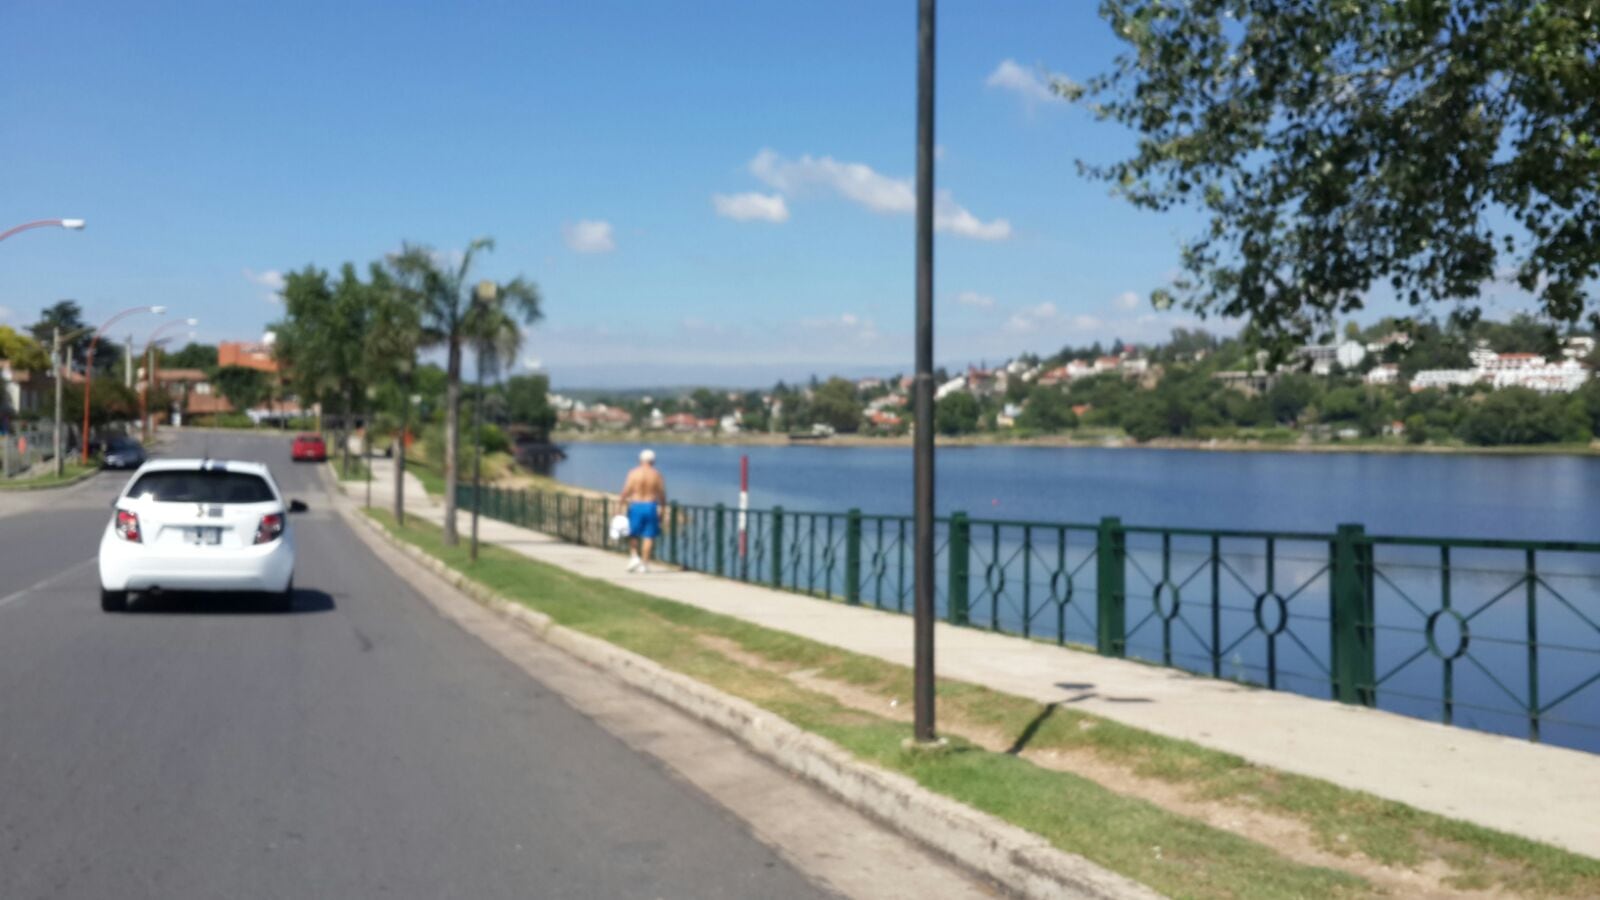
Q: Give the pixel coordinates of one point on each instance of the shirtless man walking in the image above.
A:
(646, 496)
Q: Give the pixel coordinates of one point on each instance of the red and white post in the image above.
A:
(744, 508)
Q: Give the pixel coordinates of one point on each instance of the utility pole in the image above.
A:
(60, 373)
(922, 445)
(127, 365)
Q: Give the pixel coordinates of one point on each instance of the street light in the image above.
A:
(922, 444)
(485, 294)
(366, 441)
(88, 368)
(69, 224)
(150, 371)
(58, 362)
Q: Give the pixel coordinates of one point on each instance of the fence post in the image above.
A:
(852, 557)
(672, 526)
(1111, 554)
(605, 523)
(960, 553)
(722, 537)
(777, 546)
(522, 508)
(1355, 660)
(582, 522)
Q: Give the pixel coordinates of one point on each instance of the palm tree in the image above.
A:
(495, 338)
(446, 301)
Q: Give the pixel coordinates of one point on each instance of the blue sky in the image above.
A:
(705, 192)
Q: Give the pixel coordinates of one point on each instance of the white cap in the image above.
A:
(647, 456)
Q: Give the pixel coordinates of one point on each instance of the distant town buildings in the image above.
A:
(1503, 370)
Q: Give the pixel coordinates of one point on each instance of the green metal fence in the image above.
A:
(1498, 635)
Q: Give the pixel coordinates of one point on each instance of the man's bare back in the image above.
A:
(644, 485)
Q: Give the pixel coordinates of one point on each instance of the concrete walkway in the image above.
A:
(1545, 793)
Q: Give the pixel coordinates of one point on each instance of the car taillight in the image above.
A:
(128, 526)
(270, 529)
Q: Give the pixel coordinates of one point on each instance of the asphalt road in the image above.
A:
(361, 745)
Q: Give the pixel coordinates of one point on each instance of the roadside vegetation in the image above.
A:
(72, 471)
(1185, 820)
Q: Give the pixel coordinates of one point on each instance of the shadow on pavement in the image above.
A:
(198, 603)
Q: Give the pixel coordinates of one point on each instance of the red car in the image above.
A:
(309, 447)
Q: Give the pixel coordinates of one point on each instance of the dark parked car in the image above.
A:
(123, 453)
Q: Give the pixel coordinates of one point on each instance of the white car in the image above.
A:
(198, 525)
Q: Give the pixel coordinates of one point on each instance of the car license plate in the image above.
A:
(212, 536)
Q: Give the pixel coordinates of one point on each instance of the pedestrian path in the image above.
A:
(1549, 794)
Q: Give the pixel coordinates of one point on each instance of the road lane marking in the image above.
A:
(11, 598)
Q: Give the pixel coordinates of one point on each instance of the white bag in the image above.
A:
(619, 527)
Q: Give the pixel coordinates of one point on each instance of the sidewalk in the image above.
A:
(1545, 793)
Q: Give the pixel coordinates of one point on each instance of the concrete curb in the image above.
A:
(1024, 862)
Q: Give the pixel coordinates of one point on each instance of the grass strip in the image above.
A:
(1110, 828)
(72, 473)
(1169, 852)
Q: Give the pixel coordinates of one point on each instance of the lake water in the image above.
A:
(1452, 628)
(1523, 497)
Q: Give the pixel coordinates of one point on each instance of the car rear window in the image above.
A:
(201, 487)
(309, 437)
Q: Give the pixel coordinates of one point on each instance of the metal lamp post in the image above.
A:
(485, 293)
(69, 224)
(88, 368)
(922, 445)
(366, 441)
(58, 346)
(150, 371)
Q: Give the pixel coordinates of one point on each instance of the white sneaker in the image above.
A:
(635, 564)
(644, 569)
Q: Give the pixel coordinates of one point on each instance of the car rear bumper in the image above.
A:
(138, 567)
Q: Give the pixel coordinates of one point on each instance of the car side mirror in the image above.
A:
(298, 506)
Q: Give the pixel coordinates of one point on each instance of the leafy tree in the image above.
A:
(23, 352)
(110, 401)
(192, 356)
(1289, 397)
(709, 404)
(528, 402)
(244, 387)
(1047, 409)
(67, 316)
(1518, 415)
(1179, 405)
(445, 297)
(834, 403)
(957, 413)
(1338, 146)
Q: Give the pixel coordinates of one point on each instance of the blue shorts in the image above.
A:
(644, 520)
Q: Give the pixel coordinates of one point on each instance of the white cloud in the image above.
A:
(6, 313)
(589, 236)
(848, 326)
(1027, 321)
(532, 364)
(1127, 300)
(753, 206)
(1026, 82)
(975, 299)
(271, 279)
(1086, 322)
(864, 186)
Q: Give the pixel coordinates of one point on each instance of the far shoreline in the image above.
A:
(763, 439)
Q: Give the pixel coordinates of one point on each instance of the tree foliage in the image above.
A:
(450, 316)
(243, 386)
(1426, 146)
(23, 352)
